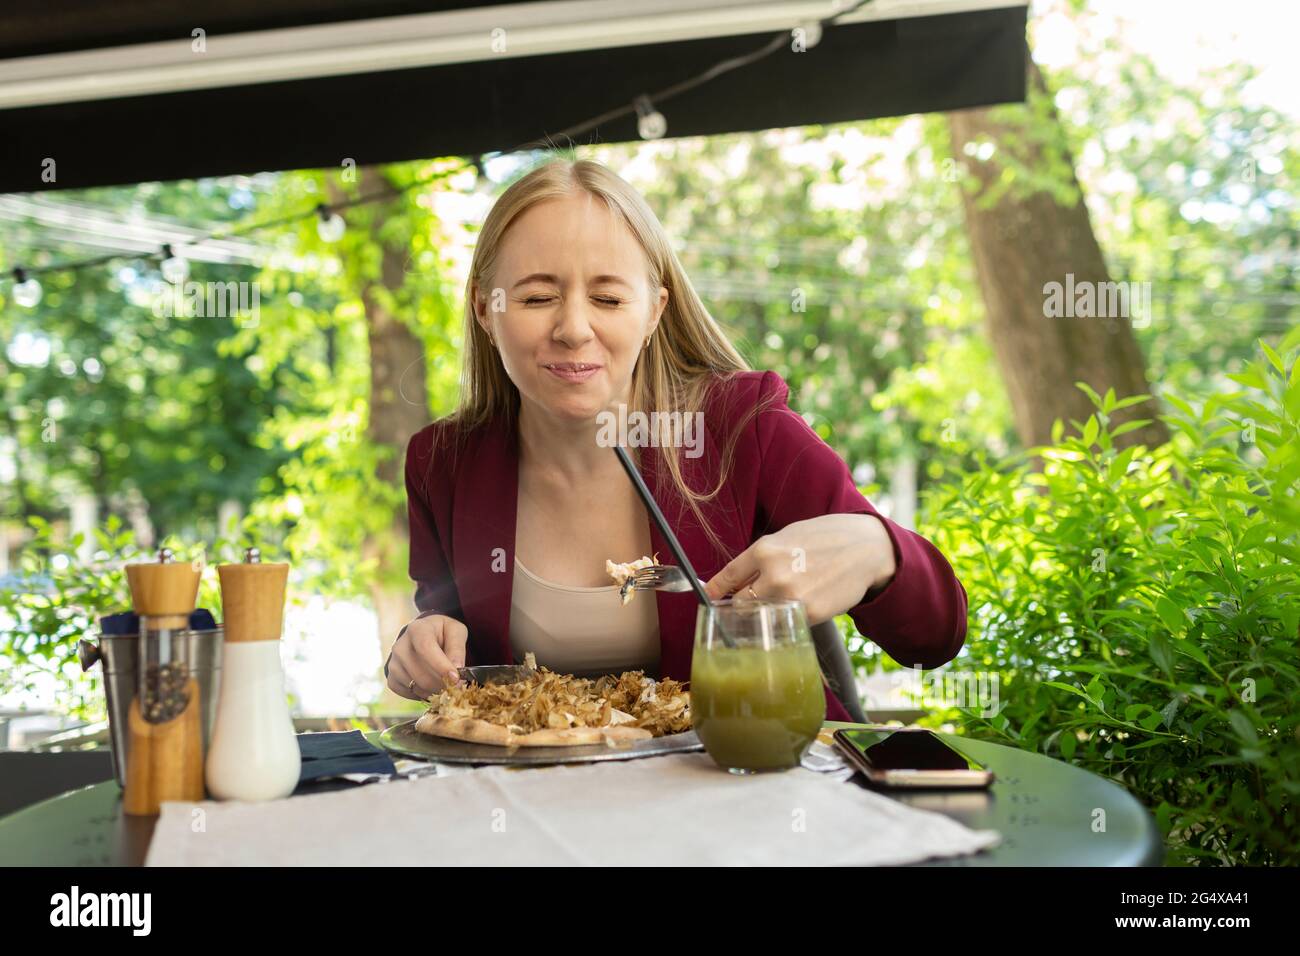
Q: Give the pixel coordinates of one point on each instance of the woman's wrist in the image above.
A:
(403, 631)
(880, 562)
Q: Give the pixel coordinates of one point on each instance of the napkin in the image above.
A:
(676, 809)
(128, 622)
(334, 754)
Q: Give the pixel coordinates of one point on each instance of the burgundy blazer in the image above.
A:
(462, 510)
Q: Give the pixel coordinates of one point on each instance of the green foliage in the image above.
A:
(1140, 608)
(104, 396)
(1192, 186)
(57, 597)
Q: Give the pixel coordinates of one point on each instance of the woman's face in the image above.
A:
(570, 307)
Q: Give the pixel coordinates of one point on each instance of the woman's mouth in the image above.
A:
(572, 371)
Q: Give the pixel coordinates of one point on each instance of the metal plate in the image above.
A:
(405, 739)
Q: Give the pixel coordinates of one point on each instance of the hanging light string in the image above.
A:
(331, 225)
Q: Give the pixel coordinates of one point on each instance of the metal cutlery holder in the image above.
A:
(119, 655)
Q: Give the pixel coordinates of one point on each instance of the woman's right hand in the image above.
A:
(426, 655)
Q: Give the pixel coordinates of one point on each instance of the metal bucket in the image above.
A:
(118, 653)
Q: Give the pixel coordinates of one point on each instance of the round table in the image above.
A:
(1049, 814)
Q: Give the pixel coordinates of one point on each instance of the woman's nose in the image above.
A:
(573, 324)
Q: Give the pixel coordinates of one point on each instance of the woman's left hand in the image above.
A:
(830, 563)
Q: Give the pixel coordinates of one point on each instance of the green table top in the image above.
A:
(1046, 810)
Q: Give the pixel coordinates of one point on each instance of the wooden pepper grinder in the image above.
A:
(165, 755)
(254, 753)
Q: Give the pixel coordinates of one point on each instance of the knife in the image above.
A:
(494, 674)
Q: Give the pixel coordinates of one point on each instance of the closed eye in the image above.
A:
(541, 299)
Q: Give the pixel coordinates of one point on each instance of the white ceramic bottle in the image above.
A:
(254, 753)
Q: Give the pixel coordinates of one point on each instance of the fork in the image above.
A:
(426, 770)
(657, 577)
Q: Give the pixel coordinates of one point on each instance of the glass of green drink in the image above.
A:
(756, 696)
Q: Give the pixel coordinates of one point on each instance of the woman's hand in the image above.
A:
(830, 562)
(427, 652)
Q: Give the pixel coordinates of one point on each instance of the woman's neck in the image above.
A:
(565, 450)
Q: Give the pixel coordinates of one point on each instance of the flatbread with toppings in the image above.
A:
(547, 709)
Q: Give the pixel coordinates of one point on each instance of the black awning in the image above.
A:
(858, 71)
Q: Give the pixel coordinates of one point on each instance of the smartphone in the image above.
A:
(909, 757)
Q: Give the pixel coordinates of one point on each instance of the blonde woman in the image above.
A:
(578, 314)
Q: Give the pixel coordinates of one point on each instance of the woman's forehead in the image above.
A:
(571, 236)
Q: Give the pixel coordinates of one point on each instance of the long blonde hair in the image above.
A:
(688, 352)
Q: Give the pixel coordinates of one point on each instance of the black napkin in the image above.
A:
(128, 622)
(330, 754)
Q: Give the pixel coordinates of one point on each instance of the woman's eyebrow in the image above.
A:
(548, 277)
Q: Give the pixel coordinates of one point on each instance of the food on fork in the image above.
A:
(547, 709)
(623, 575)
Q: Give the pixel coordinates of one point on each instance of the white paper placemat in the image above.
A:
(678, 810)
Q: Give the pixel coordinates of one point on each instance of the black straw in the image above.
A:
(661, 522)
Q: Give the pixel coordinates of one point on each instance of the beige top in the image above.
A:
(583, 631)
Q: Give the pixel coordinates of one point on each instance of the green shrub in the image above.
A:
(56, 599)
(53, 601)
(1140, 608)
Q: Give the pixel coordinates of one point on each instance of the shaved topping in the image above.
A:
(546, 700)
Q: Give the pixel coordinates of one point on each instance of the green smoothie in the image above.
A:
(756, 709)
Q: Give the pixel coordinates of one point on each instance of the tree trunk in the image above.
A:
(399, 408)
(1045, 337)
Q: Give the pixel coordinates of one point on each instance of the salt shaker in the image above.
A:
(254, 753)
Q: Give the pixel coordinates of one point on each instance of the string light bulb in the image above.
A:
(812, 34)
(175, 269)
(330, 226)
(650, 123)
(27, 292)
